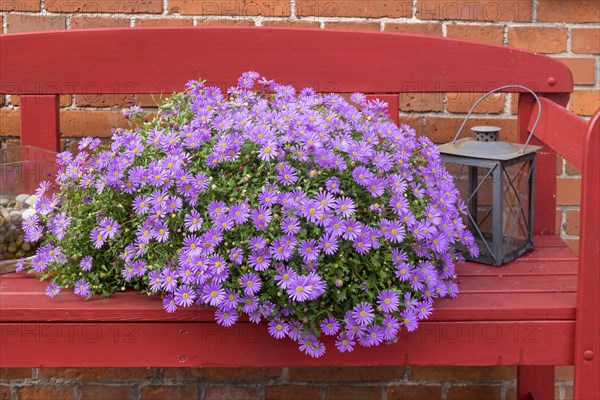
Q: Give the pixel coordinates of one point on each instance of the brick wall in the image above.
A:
(567, 30)
(351, 383)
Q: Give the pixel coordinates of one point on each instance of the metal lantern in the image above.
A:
(495, 179)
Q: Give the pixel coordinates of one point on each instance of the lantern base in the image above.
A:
(517, 247)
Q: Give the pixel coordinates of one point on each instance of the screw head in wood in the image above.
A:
(588, 355)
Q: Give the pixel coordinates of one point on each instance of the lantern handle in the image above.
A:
(537, 99)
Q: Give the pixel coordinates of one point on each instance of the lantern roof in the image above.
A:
(500, 150)
(485, 145)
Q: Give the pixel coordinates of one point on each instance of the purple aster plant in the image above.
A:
(359, 226)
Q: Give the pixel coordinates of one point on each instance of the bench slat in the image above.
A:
(195, 344)
(518, 291)
(159, 60)
(563, 131)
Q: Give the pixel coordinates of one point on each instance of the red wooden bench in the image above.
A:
(537, 312)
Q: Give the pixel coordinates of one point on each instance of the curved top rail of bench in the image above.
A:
(155, 60)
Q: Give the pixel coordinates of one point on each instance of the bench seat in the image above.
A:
(503, 316)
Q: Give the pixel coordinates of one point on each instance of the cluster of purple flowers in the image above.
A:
(303, 209)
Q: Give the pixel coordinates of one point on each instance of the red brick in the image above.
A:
(225, 22)
(482, 33)
(414, 392)
(564, 372)
(425, 28)
(584, 102)
(109, 6)
(292, 392)
(421, 101)
(5, 392)
(355, 8)
(462, 103)
(353, 393)
(95, 21)
(571, 11)
(559, 165)
(9, 122)
(270, 8)
(463, 373)
(474, 392)
(345, 374)
(568, 392)
(230, 393)
(583, 70)
(540, 39)
(293, 23)
(573, 244)
(483, 10)
(558, 223)
(103, 392)
(223, 374)
(572, 223)
(415, 122)
(510, 393)
(443, 129)
(45, 392)
(64, 100)
(570, 169)
(355, 26)
(585, 40)
(568, 191)
(27, 23)
(20, 5)
(168, 392)
(78, 123)
(103, 100)
(164, 22)
(9, 374)
(97, 374)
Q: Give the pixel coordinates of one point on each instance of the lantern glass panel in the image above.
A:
(498, 202)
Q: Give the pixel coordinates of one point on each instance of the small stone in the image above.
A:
(18, 206)
(2, 220)
(22, 198)
(2, 237)
(12, 247)
(19, 254)
(3, 201)
(26, 246)
(11, 203)
(31, 200)
(15, 216)
(12, 234)
(27, 213)
(20, 240)
(5, 214)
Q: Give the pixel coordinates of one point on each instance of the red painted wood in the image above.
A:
(587, 350)
(194, 344)
(533, 296)
(40, 121)
(545, 175)
(154, 60)
(393, 104)
(535, 382)
(561, 130)
(538, 290)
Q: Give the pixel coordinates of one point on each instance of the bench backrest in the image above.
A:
(39, 66)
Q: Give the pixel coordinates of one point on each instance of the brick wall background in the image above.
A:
(567, 30)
